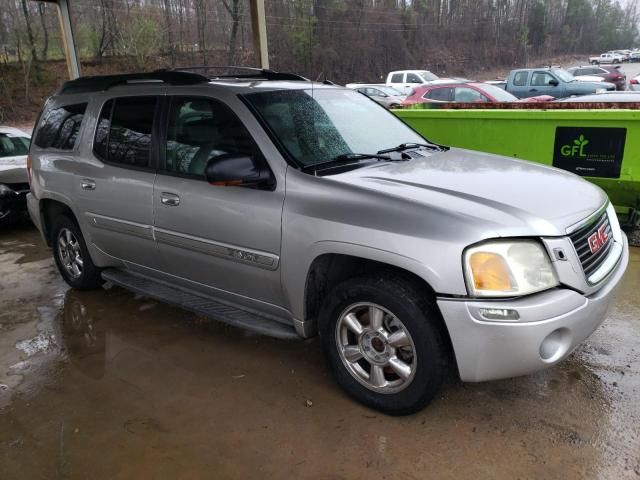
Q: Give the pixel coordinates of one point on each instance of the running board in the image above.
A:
(199, 304)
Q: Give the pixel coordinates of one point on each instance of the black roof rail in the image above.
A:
(252, 72)
(104, 82)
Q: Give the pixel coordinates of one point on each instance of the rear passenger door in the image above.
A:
(115, 187)
(221, 240)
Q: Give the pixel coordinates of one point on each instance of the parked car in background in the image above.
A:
(405, 80)
(606, 58)
(605, 97)
(610, 74)
(625, 54)
(635, 56)
(14, 185)
(557, 82)
(634, 84)
(463, 92)
(388, 97)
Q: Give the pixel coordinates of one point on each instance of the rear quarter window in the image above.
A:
(59, 127)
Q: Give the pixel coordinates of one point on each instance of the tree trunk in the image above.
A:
(45, 30)
(32, 42)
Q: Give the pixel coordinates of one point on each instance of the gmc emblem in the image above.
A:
(598, 239)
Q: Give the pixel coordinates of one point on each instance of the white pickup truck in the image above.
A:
(405, 80)
(606, 58)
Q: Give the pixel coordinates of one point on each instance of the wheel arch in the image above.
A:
(49, 209)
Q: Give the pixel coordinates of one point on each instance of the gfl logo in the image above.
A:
(576, 149)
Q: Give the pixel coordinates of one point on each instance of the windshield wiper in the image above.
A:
(347, 158)
(409, 145)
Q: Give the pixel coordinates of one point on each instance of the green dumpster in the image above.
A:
(601, 145)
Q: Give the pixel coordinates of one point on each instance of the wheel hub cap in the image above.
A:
(376, 348)
(70, 253)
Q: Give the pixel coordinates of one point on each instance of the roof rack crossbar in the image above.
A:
(254, 73)
(104, 82)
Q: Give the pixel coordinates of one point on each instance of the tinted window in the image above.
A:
(11, 146)
(439, 94)
(129, 140)
(520, 79)
(396, 78)
(102, 131)
(201, 129)
(413, 78)
(469, 95)
(59, 127)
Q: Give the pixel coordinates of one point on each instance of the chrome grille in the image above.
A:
(580, 239)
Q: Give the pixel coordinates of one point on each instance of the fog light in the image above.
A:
(555, 345)
(503, 314)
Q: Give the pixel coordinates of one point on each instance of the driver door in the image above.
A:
(221, 240)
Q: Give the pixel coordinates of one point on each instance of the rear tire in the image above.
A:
(71, 255)
(399, 360)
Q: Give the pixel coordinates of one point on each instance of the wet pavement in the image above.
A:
(109, 385)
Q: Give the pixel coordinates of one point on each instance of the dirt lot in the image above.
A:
(108, 385)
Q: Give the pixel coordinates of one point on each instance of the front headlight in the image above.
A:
(507, 268)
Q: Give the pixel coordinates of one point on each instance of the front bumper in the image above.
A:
(13, 201)
(552, 324)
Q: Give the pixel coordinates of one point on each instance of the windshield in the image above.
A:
(563, 75)
(390, 91)
(11, 146)
(318, 125)
(428, 76)
(499, 94)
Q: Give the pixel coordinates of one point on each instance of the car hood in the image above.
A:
(13, 169)
(504, 196)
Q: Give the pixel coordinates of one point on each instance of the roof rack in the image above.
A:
(252, 72)
(104, 82)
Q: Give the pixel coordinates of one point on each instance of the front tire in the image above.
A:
(71, 255)
(383, 340)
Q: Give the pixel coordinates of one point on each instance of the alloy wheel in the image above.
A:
(376, 348)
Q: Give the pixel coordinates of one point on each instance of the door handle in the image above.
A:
(170, 199)
(87, 184)
(533, 90)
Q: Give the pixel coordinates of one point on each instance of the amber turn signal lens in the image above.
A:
(490, 272)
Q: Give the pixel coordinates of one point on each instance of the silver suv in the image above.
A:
(293, 208)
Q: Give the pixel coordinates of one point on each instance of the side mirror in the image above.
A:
(231, 169)
(554, 83)
(383, 95)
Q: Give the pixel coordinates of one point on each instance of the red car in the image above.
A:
(608, 73)
(465, 92)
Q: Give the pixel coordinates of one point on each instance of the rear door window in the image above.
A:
(520, 79)
(59, 127)
(396, 78)
(124, 131)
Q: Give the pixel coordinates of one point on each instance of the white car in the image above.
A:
(14, 146)
(607, 58)
(406, 80)
(634, 84)
(587, 78)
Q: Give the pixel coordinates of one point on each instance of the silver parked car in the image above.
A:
(14, 145)
(388, 97)
(293, 209)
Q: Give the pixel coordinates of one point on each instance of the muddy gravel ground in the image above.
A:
(109, 385)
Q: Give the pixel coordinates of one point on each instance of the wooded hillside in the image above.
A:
(352, 40)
